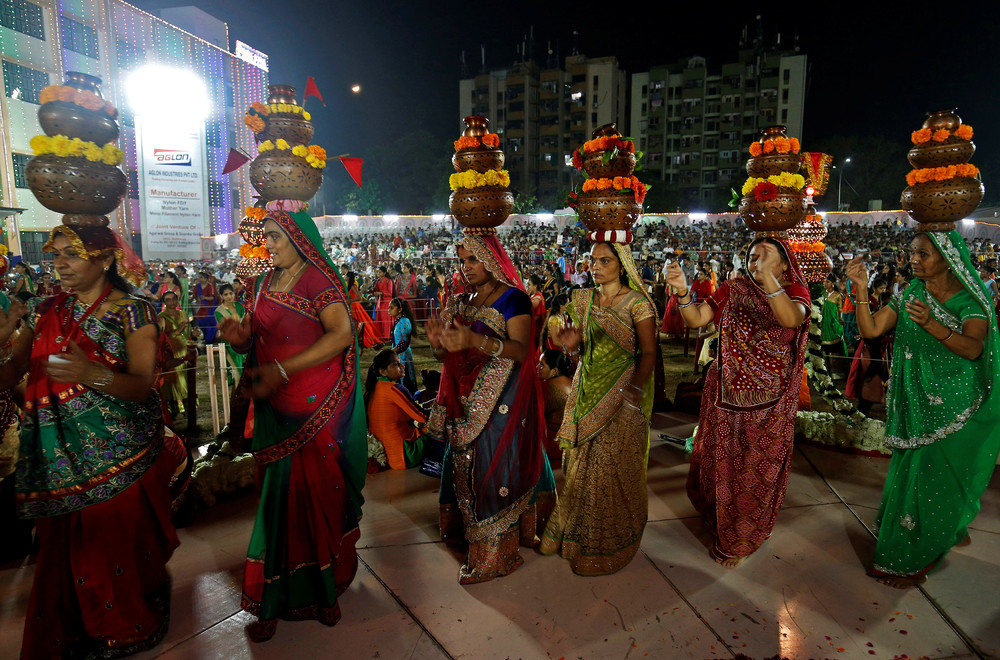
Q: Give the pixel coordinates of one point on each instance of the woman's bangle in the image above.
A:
(102, 376)
(637, 389)
(775, 294)
(482, 344)
(862, 302)
(681, 305)
(499, 348)
(949, 336)
(281, 370)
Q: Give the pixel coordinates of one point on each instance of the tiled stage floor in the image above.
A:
(804, 595)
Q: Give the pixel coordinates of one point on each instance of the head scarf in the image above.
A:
(792, 274)
(490, 252)
(92, 238)
(624, 254)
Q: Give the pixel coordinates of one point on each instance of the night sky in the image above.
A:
(875, 68)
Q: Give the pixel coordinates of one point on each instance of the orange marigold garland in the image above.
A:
(488, 140)
(928, 174)
(925, 135)
(780, 144)
(619, 183)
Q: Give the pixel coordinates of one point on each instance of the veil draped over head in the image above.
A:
(95, 239)
(490, 252)
(794, 272)
(624, 253)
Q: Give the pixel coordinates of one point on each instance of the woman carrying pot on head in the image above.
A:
(942, 411)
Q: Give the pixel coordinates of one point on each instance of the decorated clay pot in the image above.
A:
(810, 230)
(279, 174)
(621, 165)
(484, 207)
(475, 126)
(71, 120)
(480, 160)
(251, 267)
(952, 151)
(252, 231)
(286, 126)
(773, 164)
(602, 210)
(943, 201)
(778, 214)
(946, 119)
(75, 184)
(816, 266)
(281, 94)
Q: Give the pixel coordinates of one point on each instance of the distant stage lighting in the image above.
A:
(163, 93)
(356, 88)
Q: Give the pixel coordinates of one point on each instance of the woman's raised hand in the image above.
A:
(857, 273)
(456, 337)
(434, 328)
(9, 319)
(570, 336)
(235, 332)
(676, 277)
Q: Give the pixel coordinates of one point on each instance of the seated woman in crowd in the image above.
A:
(393, 418)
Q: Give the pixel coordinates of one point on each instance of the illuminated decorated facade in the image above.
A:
(41, 41)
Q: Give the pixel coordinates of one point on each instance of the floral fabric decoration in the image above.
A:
(783, 180)
(474, 179)
(82, 98)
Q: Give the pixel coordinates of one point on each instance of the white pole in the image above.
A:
(211, 389)
(224, 377)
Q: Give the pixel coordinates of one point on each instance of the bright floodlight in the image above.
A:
(698, 216)
(356, 88)
(166, 93)
(847, 160)
(544, 216)
(350, 218)
(438, 217)
(968, 221)
(391, 217)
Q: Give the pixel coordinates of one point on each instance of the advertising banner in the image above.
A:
(174, 191)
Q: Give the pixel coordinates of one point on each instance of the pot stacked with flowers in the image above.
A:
(480, 200)
(255, 257)
(610, 200)
(806, 241)
(943, 186)
(287, 166)
(773, 201)
(75, 168)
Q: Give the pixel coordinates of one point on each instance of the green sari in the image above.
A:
(942, 425)
(601, 513)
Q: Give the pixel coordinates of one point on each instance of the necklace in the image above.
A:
(67, 325)
(488, 295)
(614, 297)
(292, 279)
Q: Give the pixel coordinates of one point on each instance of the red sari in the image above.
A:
(366, 326)
(743, 448)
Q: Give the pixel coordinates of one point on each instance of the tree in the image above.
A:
(526, 204)
(366, 200)
(877, 170)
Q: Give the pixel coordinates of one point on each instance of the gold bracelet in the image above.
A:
(949, 336)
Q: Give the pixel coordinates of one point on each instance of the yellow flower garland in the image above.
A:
(288, 108)
(65, 147)
(473, 179)
(783, 180)
(312, 154)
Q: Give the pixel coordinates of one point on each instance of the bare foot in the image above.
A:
(965, 541)
(727, 562)
(897, 582)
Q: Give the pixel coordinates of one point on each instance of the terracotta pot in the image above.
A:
(250, 267)
(808, 231)
(75, 185)
(621, 165)
(483, 207)
(278, 174)
(281, 94)
(952, 151)
(943, 201)
(601, 210)
(288, 127)
(480, 160)
(476, 126)
(607, 130)
(71, 120)
(773, 164)
(252, 231)
(946, 119)
(815, 265)
(780, 213)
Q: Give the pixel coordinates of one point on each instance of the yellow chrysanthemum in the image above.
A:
(40, 144)
(281, 144)
(306, 115)
(112, 154)
(266, 145)
(59, 145)
(300, 151)
(93, 153)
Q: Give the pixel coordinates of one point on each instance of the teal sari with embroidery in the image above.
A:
(943, 424)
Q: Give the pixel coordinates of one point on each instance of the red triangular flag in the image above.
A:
(353, 166)
(236, 160)
(312, 90)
